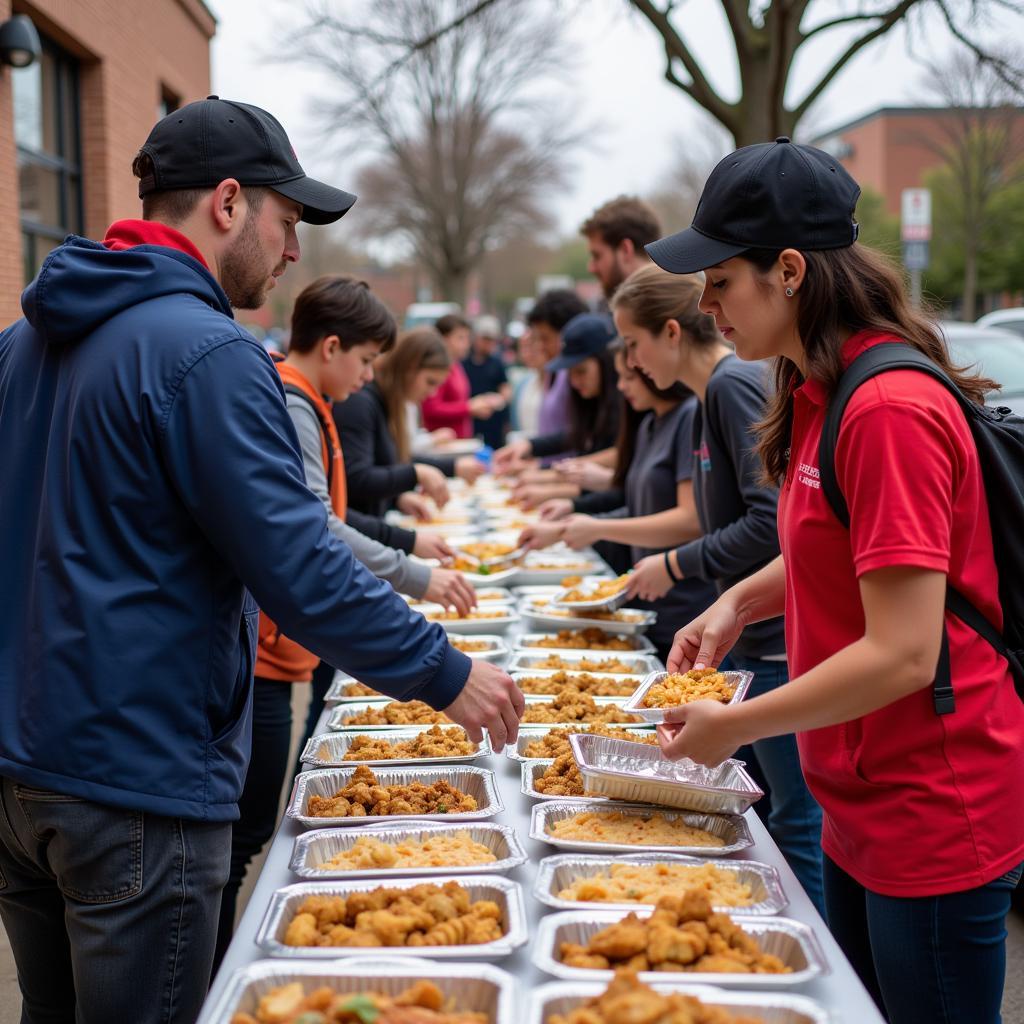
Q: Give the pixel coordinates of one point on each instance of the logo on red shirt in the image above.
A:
(809, 476)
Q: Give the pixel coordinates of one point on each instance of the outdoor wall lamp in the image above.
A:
(19, 42)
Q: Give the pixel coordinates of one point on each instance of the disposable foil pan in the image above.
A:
(529, 733)
(327, 750)
(641, 774)
(740, 680)
(470, 627)
(533, 662)
(532, 700)
(314, 848)
(530, 642)
(552, 569)
(628, 683)
(495, 595)
(540, 617)
(791, 941)
(532, 770)
(284, 904)
(730, 828)
(476, 782)
(341, 717)
(558, 872)
(768, 1007)
(606, 604)
(478, 988)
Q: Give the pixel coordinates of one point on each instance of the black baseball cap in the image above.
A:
(774, 195)
(585, 335)
(204, 142)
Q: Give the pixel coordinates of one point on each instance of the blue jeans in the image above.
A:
(925, 960)
(111, 913)
(795, 818)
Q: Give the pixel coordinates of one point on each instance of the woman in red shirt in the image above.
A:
(923, 831)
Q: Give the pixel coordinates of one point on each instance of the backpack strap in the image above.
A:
(291, 389)
(879, 359)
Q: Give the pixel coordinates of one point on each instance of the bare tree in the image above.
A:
(980, 138)
(442, 97)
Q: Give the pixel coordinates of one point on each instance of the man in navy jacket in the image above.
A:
(152, 482)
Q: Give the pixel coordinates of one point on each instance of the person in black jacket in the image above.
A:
(376, 439)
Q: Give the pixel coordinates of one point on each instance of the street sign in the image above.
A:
(916, 255)
(916, 215)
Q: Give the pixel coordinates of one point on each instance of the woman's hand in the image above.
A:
(581, 531)
(431, 545)
(650, 579)
(705, 641)
(529, 496)
(432, 482)
(413, 504)
(555, 508)
(585, 474)
(702, 730)
(540, 535)
(469, 468)
(511, 456)
(441, 435)
(451, 589)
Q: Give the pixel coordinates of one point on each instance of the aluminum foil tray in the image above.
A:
(496, 646)
(527, 642)
(327, 750)
(342, 713)
(767, 1007)
(555, 568)
(314, 848)
(618, 677)
(495, 595)
(732, 829)
(531, 770)
(556, 873)
(740, 680)
(470, 627)
(640, 774)
(532, 662)
(532, 699)
(285, 903)
(539, 617)
(477, 782)
(792, 942)
(478, 988)
(529, 733)
(605, 604)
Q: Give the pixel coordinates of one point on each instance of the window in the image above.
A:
(168, 104)
(46, 133)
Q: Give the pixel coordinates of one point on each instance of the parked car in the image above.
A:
(1005, 319)
(428, 313)
(998, 354)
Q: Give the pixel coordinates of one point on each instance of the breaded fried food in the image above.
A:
(683, 687)
(596, 686)
(606, 588)
(469, 646)
(397, 712)
(561, 778)
(550, 661)
(555, 742)
(683, 934)
(454, 616)
(364, 796)
(437, 741)
(573, 706)
(589, 639)
(421, 915)
(360, 690)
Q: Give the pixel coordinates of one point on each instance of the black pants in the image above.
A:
(261, 795)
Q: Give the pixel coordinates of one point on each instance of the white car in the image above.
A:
(1005, 319)
(998, 354)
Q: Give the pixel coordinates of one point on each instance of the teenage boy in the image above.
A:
(152, 480)
(616, 234)
(488, 380)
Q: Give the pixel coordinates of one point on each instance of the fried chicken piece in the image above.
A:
(620, 941)
(666, 943)
(573, 955)
(561, 778)
(302, 930)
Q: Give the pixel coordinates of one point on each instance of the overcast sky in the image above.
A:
(618, 83)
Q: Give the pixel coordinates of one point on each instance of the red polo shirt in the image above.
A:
(915, 803)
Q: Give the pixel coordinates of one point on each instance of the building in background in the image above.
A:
(893, 148)
(72, 121)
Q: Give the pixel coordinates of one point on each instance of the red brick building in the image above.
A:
(893, 148)
(71, 123)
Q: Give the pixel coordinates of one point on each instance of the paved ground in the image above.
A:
(1013, 1000)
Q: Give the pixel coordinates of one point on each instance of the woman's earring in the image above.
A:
(789, 293)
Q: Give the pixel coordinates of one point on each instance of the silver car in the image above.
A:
(996, 353)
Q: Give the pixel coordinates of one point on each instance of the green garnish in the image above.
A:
(442, 808)
(363, 1007)
(484, 570)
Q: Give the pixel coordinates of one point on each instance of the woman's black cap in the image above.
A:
(585, 335)
(202, 143)
(775, 195)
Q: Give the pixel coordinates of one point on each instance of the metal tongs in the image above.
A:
(497, 563)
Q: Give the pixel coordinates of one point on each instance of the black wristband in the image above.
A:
(668, 568)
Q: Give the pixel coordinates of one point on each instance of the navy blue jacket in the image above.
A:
(150, 475)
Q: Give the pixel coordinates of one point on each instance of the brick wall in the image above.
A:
(128, 51)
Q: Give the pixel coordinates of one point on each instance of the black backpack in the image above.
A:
(999, 435)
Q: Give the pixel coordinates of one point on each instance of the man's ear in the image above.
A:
(626, 249)
(227, 205)
(329, 345)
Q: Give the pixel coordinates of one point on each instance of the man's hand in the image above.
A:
(450, 588)
(433, 483)
(413, 504)
(431, 545)
(469, 468)
(540, 535)
(650, 579)
(490, 700)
